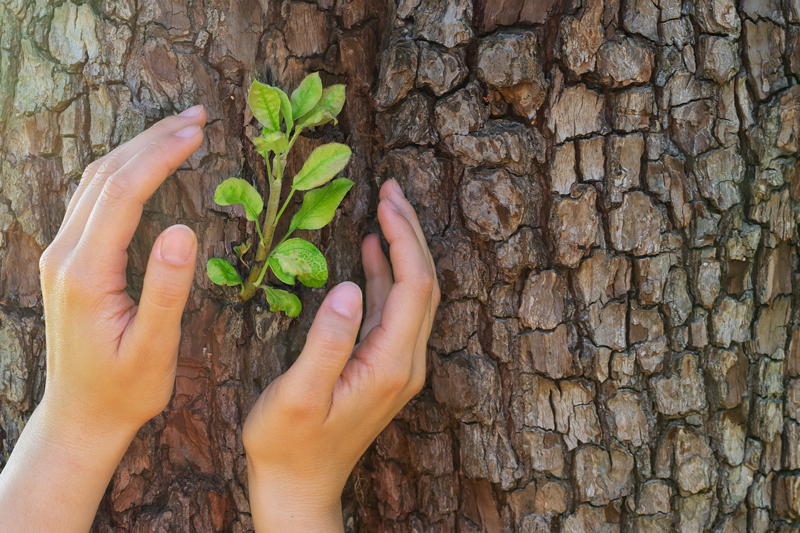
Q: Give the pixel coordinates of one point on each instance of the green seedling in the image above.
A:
(282, 119)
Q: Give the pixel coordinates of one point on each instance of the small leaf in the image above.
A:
(323, 164)
(242, 248)
(320, 205)
(299, 258)
(286, 110)
(281, 300)
(333, 99)
(329, 106)
(265, 104)
(307, 94)
(221, 272)
(270, 141)
(236, 191)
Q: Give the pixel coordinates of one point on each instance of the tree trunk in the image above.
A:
(610, 193)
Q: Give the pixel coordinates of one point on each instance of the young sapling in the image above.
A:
(283, 118)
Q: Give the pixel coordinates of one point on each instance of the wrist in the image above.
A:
(282, 502)
(81, 437)
(55, 478)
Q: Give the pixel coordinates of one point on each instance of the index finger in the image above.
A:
(95, 174)
(116, 214)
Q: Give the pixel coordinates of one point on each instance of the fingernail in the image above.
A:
(177, 245)
(393, 206)
(192, 111)
(346, 301)
(188, 131)
(395, 189)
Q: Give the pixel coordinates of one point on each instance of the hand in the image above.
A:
(110, 363)
(310, 426)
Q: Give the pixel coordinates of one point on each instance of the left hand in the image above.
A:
(110, 363)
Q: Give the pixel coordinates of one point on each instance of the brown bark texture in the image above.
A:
(610, 191)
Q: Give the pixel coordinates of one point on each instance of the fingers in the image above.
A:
(119, 206)
(409, 298)
(391, 190)
(328, 347)
(378, 273)
(166, 287)
(96, 174)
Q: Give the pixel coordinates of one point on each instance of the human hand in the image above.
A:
(110, 363)
(308, 429)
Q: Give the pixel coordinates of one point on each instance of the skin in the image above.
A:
(106, 376)
(308, 429)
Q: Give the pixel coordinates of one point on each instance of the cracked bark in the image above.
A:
(618, 347)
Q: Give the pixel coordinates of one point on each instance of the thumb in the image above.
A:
(329, 345)
(166, 287)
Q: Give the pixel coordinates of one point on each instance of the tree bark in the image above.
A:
(609, 189)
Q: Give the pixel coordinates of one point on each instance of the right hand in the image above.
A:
(308, 429)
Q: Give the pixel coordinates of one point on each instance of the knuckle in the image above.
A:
(424, 282)
(74, 281)
(109, 164)
(395, 382)
(251, 433)
(169, 298)
(161, 158)
(331, 345)
(249, 439)
(115, 189)
(48, 263)
(158, 148)
(293, 405)
(91, 169)
(332, 339)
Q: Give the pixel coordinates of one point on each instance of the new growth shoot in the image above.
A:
(283, 118)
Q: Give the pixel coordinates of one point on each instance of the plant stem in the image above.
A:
(293, 139)
(265, 236)
(273, 214)
(288, 233)
(286, 203)
(261, 249)
(260, 233)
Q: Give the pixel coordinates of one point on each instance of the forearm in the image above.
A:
(278, 505)
(57, 474)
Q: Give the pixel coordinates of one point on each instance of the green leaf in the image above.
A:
(279, 273)
(270, 141)
(242, 248)
(307, 94)
(265, 104)
(320, 205)
(281, 300)
(329, 106)
(323, 164)
(333, 99)
(299, 258)
(221, 272)
(236, 191)
(286, 110)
